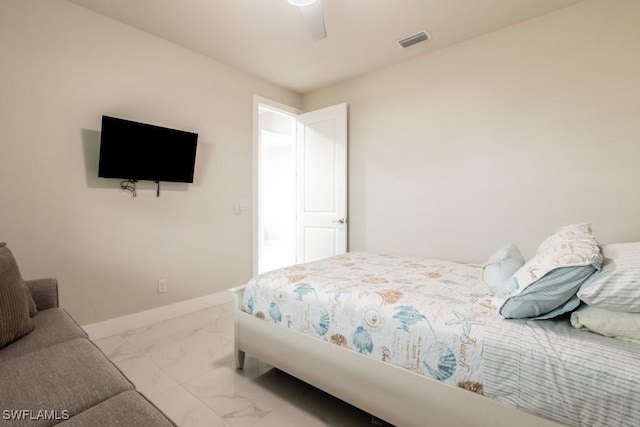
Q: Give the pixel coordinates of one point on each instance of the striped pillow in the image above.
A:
(617, 286)
(550, 296)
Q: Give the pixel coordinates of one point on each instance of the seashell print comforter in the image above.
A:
(428, 316)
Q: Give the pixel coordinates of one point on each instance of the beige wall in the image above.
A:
(62, 68)
(499, 139)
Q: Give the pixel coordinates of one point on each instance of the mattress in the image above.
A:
(427, 316)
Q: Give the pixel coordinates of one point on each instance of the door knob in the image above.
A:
(340, 221)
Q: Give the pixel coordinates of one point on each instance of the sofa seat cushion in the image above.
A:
(66, 378)
(126, 409)
(52, 326)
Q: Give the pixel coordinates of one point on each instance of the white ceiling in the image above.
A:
(269, 38)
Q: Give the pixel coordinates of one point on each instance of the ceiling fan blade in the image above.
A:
(315, 20)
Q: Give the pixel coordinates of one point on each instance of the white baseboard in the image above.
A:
(122, 324)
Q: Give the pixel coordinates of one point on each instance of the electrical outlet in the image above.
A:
(162, 286)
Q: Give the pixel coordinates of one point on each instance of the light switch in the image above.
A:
(242, 205)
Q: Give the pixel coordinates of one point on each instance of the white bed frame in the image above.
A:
(393, 394)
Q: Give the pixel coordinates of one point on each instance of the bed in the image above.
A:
(417, 342)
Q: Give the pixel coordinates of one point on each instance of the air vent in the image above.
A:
(420, 37)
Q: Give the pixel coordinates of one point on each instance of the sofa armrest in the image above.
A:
(44, 292)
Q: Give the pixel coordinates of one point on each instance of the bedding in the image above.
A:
(426, 316)
(550, 368)
(435, 318)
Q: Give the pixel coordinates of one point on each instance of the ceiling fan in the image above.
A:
(312, 12)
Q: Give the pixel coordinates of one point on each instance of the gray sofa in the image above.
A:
(56, 375)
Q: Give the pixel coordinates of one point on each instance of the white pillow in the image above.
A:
(546, 285)
(614, 324)
(500, 266)
(568, 232)
(617, 286)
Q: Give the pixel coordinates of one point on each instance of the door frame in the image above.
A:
(256, 167)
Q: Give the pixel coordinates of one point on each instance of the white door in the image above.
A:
(321, 152)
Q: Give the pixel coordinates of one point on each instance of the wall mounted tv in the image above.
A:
(139, 151)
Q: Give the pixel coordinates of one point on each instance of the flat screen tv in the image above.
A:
(140, 151)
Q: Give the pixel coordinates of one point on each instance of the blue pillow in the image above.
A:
(501, 266)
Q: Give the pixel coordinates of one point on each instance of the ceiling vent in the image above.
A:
(416, 38)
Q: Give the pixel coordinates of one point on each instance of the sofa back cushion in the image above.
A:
(15, 321)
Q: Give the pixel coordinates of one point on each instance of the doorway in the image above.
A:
(277, 188)
(300, 184)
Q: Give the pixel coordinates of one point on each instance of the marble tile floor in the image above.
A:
(185, 366)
